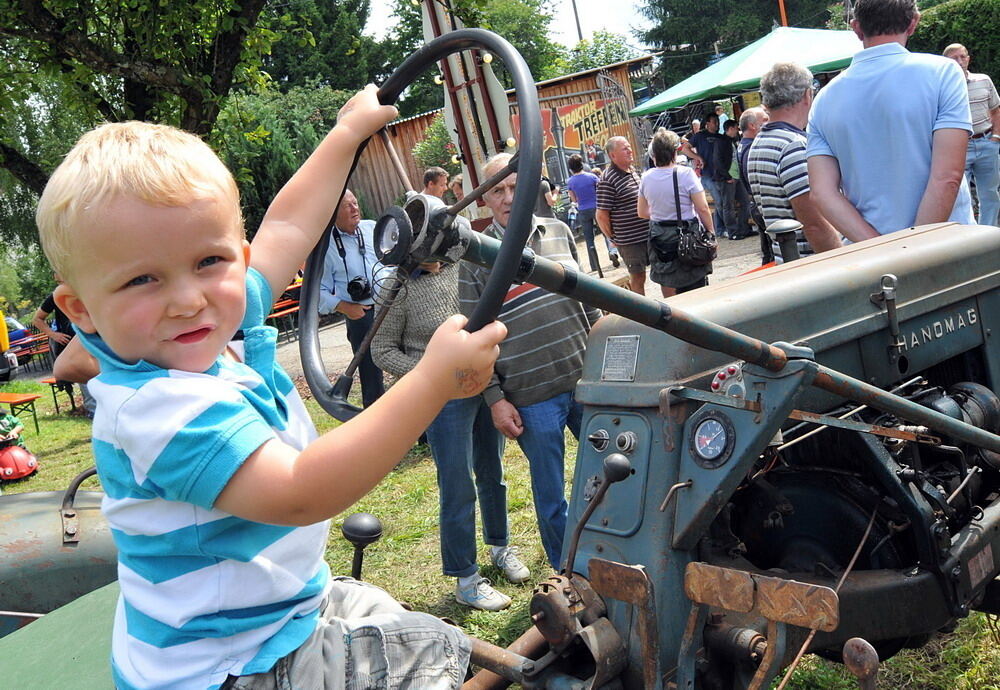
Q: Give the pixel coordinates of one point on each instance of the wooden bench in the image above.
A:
(286, 310)
(56, 388)
(21, 403)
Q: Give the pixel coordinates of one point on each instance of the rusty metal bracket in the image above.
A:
(631, 584)
(864, 428)
(771, 663)
(668, 420)
(720, 399)
(778, 599)
(688, 652)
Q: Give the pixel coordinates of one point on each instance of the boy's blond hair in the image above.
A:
(155, 164)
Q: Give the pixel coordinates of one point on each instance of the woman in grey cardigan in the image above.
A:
(462, 438)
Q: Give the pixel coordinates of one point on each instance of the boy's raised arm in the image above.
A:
(300, 212)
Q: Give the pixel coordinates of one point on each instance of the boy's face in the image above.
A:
(163, 284)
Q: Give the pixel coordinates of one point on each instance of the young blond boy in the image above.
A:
(218, 489)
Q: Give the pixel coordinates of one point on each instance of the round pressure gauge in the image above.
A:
(712, 439)
(393, 235)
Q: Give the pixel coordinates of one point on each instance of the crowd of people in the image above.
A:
(216, 476)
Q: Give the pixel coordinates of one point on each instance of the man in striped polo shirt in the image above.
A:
(776, 164)
(982, 160)
(531, 393)
(617, 198)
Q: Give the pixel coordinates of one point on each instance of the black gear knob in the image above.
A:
(616, 467)
(361, 529)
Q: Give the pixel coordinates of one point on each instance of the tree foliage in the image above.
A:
(436, 148)
(524, 23)
(605, 48)
(973, 23)
(264, 137)
(328, 48)
(25, 280)
(693, 33)
(111, 60)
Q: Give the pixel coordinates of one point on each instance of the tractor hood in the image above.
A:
(824, 302)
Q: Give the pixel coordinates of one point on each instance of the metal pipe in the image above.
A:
(502, 662)
(396, 162)
(530, 645)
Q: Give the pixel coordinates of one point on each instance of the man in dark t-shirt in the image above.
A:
(63, 331)
(58, 339)
(704, 143)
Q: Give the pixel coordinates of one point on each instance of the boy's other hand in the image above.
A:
(459, 361)
(363, 115)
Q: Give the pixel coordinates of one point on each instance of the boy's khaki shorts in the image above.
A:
(364, 640)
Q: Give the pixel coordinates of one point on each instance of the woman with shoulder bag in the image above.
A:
(670, 196)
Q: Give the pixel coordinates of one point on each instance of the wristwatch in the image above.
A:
(995, 137)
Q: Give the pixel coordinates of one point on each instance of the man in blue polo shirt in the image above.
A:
(891, 173)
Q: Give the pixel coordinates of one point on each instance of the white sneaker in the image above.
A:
(481, 595)
(508, 561)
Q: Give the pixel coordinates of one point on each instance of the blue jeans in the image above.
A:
(372, 383)
(714, 189)
(543, 442)
(981, 162)
(464, 441)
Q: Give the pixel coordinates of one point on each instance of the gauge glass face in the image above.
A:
(390, 236)
(710, 439)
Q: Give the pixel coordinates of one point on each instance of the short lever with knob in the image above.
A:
(361, 529)
(616, 468)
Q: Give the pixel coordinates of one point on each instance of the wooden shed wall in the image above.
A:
(376, 183)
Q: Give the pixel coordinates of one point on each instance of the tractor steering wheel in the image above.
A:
(528, 165)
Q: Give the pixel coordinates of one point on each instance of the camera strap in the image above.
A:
(343, 252)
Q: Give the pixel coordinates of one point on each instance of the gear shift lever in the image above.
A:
(616, 468)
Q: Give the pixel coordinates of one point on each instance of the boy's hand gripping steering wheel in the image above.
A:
(528, 165)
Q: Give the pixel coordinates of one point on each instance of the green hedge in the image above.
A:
(973, 23)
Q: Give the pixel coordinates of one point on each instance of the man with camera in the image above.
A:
(348, 285)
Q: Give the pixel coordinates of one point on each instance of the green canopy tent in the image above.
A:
(818, 49)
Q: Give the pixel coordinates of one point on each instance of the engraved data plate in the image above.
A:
(620, 355)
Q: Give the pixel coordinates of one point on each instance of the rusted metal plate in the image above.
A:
(721, 587)
(863, 427)
(631, 584)
(797, 603)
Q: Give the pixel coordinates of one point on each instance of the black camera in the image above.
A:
(359, 289)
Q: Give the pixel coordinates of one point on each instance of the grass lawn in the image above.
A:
(406, 562)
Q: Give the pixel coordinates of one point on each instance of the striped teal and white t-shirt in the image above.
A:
(205, 594)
